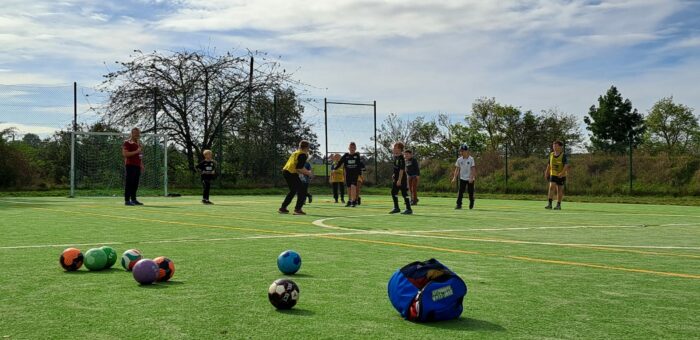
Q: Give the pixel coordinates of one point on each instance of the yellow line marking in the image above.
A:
(399, 244)
(406, 245)
(569, 245)
(521, 258)
(599, 266)
(171, 222)
(223, 216)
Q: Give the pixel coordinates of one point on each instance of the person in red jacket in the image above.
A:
(133, 163)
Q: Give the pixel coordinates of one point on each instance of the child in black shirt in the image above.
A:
(400, 181)
(207, 169)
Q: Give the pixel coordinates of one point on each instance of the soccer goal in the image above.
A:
(97, 166)
(351, 121)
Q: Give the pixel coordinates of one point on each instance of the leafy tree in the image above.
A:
(672, 125)
(556, 125)
(614, 123)
(32, 140)
(486, 117)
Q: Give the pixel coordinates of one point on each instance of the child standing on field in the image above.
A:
(413, 172)
(306, 180)
(400, 181)
(207, 169)
(556, 171)
(353, 167)
(466, 169)
(337, 179)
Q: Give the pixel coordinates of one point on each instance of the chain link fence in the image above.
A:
(36, 122)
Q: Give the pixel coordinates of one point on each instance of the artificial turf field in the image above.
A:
(588, 271)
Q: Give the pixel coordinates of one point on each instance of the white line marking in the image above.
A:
(408, 233)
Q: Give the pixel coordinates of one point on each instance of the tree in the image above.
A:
(614, 123)
(279, 126)
(198, 95)
(485, 117)
(32, 140)
(671, 124)
(391, 130)
(556, 125)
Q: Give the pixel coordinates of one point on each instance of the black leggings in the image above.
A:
(404, 192)
(131, 183)
(338, 187)
(296, 188)
(206, 183)
(470, 189)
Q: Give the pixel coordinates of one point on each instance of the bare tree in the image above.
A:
(198, 95)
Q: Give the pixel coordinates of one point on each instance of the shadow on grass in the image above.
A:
(83, 271)
(296, 311)
(466, 324)
(298, 275)
(171, 283)
(153, 286)
(158, 207)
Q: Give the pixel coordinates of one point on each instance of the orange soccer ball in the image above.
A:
(71, 259)
(166, 268)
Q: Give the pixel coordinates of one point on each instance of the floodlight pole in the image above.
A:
(325, 124)
(376, 169)
(75, 106)
(155, 110)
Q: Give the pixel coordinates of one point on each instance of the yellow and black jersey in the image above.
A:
(296, 161)
(557, 163)
(339, 175)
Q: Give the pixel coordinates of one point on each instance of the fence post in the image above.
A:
(630, 161)
(506, 189)
(72, 164)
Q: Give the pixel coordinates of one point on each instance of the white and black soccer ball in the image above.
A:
(283, 294)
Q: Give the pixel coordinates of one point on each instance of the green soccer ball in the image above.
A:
(111, 256)
(95, 259)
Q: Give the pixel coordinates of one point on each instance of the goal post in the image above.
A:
(372, 134)
(97, 165)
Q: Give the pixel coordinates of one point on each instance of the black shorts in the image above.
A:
(351, 179)
(557, 180)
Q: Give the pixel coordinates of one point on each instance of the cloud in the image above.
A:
(22, 129)
(411, 56)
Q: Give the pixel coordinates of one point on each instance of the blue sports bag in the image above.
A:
(427, 291)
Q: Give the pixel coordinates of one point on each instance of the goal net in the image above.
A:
(351, 121)
(97, 165)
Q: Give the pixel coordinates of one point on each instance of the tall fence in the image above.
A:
(36, 122)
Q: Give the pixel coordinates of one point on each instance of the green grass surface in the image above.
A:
(589, 271)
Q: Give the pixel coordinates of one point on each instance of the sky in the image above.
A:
(412, 57)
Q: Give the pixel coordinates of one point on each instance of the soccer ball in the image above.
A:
(145, 271)
(166, 268)
(111, 256)
(289, 262)
(130, 257)
(71, 259)
(283, 294)
(95, 259)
